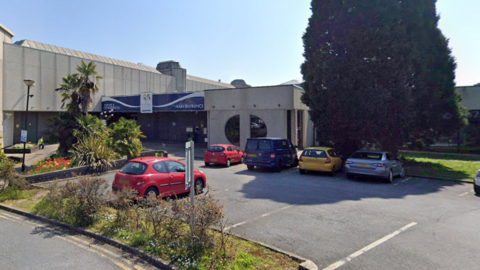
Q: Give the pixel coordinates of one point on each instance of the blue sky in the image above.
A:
(255, 40)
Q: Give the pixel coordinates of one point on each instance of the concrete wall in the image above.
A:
(5, 38)
(470, 97)
(48, 69)
(271, 104)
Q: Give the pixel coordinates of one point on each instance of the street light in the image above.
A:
(28, 83)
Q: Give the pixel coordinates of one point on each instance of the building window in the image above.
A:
(232, 130)
(257, 127)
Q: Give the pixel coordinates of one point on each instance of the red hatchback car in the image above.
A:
(156, 176)
(225, 154)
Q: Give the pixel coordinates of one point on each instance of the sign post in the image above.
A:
(189, 179)
(23, 136)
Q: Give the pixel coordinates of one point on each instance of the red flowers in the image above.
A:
(50, 165)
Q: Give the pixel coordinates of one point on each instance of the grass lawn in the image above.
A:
(448, 166)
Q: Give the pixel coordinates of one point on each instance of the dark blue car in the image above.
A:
(270, 152)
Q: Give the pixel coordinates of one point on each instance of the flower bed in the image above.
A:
(18, 148)
(50, 165)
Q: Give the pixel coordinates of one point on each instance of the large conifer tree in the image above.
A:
(358, 72)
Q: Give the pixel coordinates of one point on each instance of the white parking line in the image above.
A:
(403, 181)
(464, 194)
(369, 247)
(264, 215)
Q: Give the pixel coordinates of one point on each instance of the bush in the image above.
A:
(76, 203)
(9, 178)
(93, 151)
(125, 137)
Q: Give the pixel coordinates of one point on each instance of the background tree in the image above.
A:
(357, 73)
(438, 110)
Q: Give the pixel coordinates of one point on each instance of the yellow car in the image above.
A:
(321, 159)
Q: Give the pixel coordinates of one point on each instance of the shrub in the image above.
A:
(9, 178)
(93, 151)
(125, 137)
(76, 203)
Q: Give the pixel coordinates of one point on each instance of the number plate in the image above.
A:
(213, 160)
(251, 155)
(363, 165)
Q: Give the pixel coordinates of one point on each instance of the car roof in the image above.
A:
(149, 160)
(371, 151)
(318, 148)
(223, 145)
(266, 138)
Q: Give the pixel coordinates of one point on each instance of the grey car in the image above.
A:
(374, 163)
(476, 183)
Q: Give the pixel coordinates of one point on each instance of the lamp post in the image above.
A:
(28, 83)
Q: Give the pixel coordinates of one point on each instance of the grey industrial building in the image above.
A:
(183, 105)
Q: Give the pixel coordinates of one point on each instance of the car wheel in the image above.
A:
(228, 163)
(350, 175)
(250, 167)
(199, 186)
(242, 160)
(332, 173)
(278, 167)
(207, 164)
(402, 173)
(476, 189)
(302, 171)
(390, 177)
(151, 191)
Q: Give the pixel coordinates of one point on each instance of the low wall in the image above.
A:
(83, 170)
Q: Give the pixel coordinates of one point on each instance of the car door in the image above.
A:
(336, 160)
(161, 178)
(176, 172)
(286, 152)
(230, 154)
(394, 164)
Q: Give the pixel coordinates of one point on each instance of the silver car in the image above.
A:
(476, 183)
(374, 163)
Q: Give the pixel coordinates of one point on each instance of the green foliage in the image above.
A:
(94, 151)
(76, 203)
(243, 261)
(88, 125)
(9, 178)
(60, 128)
(438, 111)
(76, 89)
(357, 73)
(125, 137)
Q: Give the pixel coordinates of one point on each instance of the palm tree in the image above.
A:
(88, 87)
(70, 95)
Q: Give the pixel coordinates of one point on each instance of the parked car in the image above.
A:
(476, 183)
(374, 163)
(320, 159)
(225, 154)
(157, 176)
(270, 152)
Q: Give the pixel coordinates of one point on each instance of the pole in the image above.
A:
(190, 181)
(25, 128)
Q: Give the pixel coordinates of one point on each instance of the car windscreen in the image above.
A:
(215, 149)
(314, 153)
(134, 168)
(258, 145)
(367, 155)
(251, 145)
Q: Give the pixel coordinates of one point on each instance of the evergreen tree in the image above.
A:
(358, 72)
(438, 111)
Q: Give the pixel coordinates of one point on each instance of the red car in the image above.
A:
(225, 154)
(156, 176)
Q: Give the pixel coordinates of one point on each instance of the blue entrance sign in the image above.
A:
(163, 102)
(23, 136)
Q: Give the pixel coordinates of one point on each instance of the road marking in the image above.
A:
(369, 247)
(464, 194)
(259, 217)
(403, 181)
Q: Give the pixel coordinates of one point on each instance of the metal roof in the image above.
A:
(84, 55)
(198, 79)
